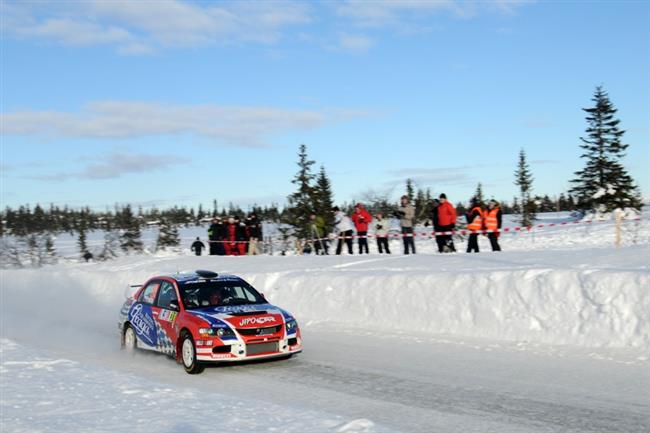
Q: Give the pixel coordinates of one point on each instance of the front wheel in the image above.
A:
(188, 355)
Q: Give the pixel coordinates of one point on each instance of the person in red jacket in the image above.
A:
(231, 238)
(447, 222)
(361, 219)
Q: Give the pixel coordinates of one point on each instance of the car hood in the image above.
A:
(243, 316)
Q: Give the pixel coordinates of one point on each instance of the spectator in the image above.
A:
(381, 232)
(318, 232)
(240, 236)
(475, 225)
(230, 238)
(436, 225)
(213, 234)
(406, 213)
(361, 219)
(220, 237)
(447, 221)
(343, 227)
(87, 256)
(197, 246)
(493, 222)
(254, 226)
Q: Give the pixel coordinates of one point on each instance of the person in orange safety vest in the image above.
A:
(475, 224)
(493, 222)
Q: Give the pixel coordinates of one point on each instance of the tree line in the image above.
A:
(602, 185)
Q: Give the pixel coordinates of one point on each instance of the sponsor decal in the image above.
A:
(247, 321)
(143, 323)
(167, 315)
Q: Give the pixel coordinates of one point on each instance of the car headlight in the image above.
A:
(216, 332)
(292, 326)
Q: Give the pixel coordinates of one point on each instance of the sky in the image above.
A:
(163, 103)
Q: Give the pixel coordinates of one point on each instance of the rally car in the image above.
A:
(201, 316)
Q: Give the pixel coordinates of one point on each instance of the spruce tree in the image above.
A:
(324, 199)
(131, 238)
(524, 180)
(50, 252)
(410, 190)
(81, 241)
(477, 199)
(604, 184)
(111, 245)
(167, 235)
(301, 202)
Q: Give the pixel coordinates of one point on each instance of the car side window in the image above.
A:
(166, 294)
(149, 293)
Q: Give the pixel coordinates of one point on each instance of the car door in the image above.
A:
(141, 316)
(165, 317)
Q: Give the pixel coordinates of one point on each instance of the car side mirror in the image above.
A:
(173, 305)
(263, 297)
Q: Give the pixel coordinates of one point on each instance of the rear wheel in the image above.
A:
(130, 342)
(188, 355)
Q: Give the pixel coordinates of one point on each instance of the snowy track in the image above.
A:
(412, 344)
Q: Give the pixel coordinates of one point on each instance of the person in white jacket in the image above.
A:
(343, 227)
(382, 226)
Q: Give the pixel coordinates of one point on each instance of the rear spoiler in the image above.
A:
(131, 290)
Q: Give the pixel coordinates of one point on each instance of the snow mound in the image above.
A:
(588, 298)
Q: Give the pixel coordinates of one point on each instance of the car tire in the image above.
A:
(188, 355)
(129, 340)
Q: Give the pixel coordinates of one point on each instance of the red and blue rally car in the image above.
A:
(203, 316)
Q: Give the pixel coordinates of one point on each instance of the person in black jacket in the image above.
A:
(216, 236)
(241, 236)
(440, 241)
(212, 236)
(197, 246)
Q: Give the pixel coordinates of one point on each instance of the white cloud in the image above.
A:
(404, 15)
(222, 125)
(117, 165)
(145, 26)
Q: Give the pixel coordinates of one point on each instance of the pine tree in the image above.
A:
(410, 190)
(167, 235)
(524, 180)
(81, 241)
(50, 253)
(111, 245)
(301, 202)
(131, 238)
(420, 204)
(324, 199)
(477, 199)
(604, 184)
(33, 252)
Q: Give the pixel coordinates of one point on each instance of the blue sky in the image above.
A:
(177, 102)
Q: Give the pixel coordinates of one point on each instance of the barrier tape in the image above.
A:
(518, 229)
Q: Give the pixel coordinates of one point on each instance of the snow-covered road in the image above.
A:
(417, 384)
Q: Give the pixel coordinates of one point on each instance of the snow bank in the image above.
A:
(589, 298)
(572, 307)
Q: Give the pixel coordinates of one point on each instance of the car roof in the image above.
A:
(185, 277)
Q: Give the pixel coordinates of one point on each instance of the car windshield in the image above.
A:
(219, 293)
